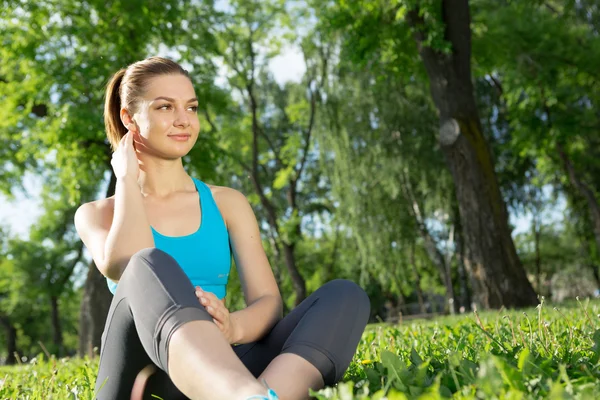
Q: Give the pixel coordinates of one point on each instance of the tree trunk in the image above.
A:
(94, 309)
(95, 302)
(298, 282)
(465, 294)
(277, 272)
(538, 257)
(418, 289)
(499, 277)
(329, 273)
(584, 190)
(11, 341)
(594, 268)
(435, 255)
(57, 337)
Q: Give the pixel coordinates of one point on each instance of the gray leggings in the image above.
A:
(155, 297)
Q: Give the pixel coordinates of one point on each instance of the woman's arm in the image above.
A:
(130, 231)
(113, 243)
(264, 303)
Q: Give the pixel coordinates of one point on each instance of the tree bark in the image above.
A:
(594, 268)
(584, 190)
(537, 228)
(57, 337)
(95, 303)
(329, 267)
(435, 255)
(298, 282)
(499, 277)
(11, 341)
(418, 289)
(465, 294)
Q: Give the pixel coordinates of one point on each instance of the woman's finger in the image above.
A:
(140, 146)
(217, 304)
(124, 138)
(220, 315)
(212, 296)
(217, 314)
(131, 143)
(211, 310)
(126, 142)
(212, 304)
(204, 301)
(208, 295)
(200, 293)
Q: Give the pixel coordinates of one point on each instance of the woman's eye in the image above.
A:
(194, 108)
(164, 107)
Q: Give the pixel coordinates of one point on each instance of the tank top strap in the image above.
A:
(209, 207)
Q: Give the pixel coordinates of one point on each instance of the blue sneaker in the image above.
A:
(271, 395)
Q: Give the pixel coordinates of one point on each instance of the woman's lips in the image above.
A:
(180, 138)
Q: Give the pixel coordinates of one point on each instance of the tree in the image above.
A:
(388, 189)
(52, 121)
(442, 35)
(547, 76)
(274, 124)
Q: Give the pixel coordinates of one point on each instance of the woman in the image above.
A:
(164, 242)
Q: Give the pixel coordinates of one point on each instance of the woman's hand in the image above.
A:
(221, 317)
(124, 160)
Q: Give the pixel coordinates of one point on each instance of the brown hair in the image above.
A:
(125, 89)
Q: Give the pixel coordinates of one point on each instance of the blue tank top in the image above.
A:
(205, 255)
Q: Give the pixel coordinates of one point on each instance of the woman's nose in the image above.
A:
(181, 118)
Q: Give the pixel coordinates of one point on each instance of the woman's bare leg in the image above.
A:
(291, 376)
(203, 366)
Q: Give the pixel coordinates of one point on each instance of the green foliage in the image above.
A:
(541, 60)
(541, 353)
(373, 154)
(53, 76)
(497, 356)
(50, 378)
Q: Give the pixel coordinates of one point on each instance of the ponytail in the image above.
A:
(115, 129)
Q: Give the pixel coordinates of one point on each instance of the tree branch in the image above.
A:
(71, 268)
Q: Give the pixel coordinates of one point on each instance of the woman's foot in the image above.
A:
(137, 392)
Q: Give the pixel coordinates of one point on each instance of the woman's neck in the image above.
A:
(161, 178)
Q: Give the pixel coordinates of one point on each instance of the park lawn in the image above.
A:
(540, 353)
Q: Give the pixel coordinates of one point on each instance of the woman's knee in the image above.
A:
(348, 292)
(348, 295)
(146, 260)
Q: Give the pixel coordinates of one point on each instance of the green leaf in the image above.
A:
(282, 178)
(415, 358)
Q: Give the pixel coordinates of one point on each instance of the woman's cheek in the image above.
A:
(159, 125)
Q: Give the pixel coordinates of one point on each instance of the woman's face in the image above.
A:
(166, 117)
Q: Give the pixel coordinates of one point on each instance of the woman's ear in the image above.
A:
(128, 121)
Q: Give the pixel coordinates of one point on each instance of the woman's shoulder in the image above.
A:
(230, 201)
(226, 195)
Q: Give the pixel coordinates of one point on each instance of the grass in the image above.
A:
(540, 353)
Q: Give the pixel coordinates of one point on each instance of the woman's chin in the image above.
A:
(171, 149)
(176, 153)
